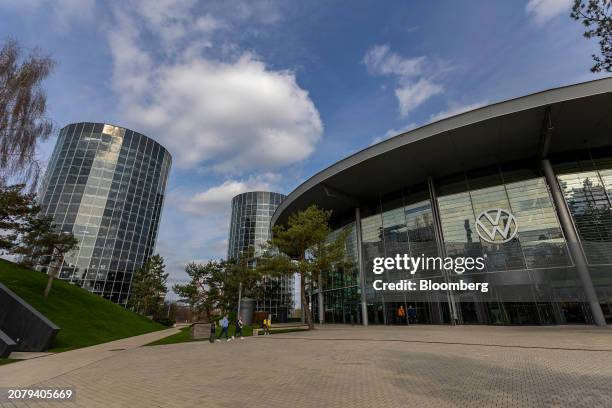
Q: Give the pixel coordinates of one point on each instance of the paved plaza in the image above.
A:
(342, 366)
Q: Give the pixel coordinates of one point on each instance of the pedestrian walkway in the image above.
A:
(41, 369)
(343, 366)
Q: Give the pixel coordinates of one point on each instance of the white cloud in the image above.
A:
(410, 96)
(218, 198)
(544, 10)
(380, 60)
(232, 114)
(414, 85)
(208, 24)
(456, 110)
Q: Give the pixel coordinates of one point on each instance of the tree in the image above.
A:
(148, 288)
(596, 16)
(23, 104)
(43, 243)
(326, 255)
(16, 207)
(242, 276)
(203, 292)
(302, 247)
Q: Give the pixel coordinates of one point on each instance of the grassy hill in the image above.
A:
(86, 319)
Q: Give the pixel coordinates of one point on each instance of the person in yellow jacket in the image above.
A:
(266, 326)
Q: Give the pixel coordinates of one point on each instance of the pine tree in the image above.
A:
(302, 247)
(43, 243)
(16, 207)
(204, 293)
(148, 288)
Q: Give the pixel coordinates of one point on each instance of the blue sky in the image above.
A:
(261, 95)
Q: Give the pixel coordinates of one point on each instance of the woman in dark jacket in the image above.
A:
(238, 331)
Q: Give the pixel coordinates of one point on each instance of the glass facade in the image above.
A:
(532, 277)
(250, 228)
(341, 289)
(106, 184)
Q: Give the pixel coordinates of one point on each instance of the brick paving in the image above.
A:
(339, 366)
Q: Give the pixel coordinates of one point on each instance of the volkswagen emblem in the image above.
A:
(496, 222)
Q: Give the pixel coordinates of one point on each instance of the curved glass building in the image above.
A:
(250, 221)
(523, 185)
(106, 184)
(250, 227)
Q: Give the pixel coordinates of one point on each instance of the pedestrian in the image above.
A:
(224, 326)
(401, 315)
(238, 330)
(213, 332)
(412, 315)
(267, 324)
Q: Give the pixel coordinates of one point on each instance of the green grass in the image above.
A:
(8, 360)
(85, 319)
(183, 336)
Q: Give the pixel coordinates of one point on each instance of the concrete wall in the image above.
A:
(7, 345)
(23, 324)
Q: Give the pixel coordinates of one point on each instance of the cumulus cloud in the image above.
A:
(231, 114)
(414, 85)
(544, 10)
(182, 77)
(456, 110)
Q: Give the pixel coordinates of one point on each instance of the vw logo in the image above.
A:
(494, 222)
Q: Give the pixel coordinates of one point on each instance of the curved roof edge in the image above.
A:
(502, 108)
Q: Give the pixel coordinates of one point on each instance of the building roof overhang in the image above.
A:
(581, 116)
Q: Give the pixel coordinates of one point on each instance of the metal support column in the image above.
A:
(435, 210)
(320, 300)
(362, 279)
(575, 248)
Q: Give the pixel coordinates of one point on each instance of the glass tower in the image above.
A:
(250, 227)
(106, 185)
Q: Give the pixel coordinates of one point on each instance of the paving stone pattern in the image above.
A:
(340, 366)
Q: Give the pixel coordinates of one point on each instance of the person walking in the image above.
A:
(401, 315)
(412, 315)
(224, 326)
(266, 326)
(238, 331)
(213, 332)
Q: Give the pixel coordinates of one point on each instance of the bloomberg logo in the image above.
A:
(493, 222)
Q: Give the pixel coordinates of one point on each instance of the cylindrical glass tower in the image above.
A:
(250, 227)
(250, 221)
(106, 185)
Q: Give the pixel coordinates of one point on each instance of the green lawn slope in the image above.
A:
(86, 319)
